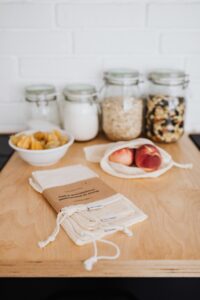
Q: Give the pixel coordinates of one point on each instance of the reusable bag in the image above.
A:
(100, 154)
(87, 208)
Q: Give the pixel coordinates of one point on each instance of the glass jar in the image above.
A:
(122, 104)
(166, 103)
(42, 103)
(81, 111)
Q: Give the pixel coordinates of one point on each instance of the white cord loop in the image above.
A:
(60, 218)
(183, 166)
(89, 263)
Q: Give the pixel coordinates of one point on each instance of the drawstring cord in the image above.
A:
(60, 218)
(88, 263)
(69, 211)
(66, 211)
(183, 166)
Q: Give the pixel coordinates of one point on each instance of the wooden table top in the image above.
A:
(166, 244)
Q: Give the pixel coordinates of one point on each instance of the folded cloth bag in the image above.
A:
(87, 208)
(100, 154)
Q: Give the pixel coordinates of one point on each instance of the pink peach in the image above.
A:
(123, 156)
(148, 157)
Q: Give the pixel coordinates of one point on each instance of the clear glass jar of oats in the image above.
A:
(166, 104)
(121, 105)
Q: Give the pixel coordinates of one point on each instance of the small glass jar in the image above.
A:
(42, 103)
(81, 111)
(121, 104)
(166, 104)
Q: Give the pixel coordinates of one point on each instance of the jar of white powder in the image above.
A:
(121, 104)
(81, 111)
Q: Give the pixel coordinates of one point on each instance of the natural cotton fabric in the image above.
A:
(88, 223)
(100, 154)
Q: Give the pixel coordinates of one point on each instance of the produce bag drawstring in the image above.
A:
(88, 263)
(183, 166)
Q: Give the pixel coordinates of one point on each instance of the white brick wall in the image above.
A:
(37, 42)
(8, 68)
(174, 15)
(70, 68)
(181, 42)
(60, 41)
(116, 42)
(13, 15)
(101, 15)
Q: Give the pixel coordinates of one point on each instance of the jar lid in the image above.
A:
(79, 92)
(168, 77)
(122, 76)
(40, 92)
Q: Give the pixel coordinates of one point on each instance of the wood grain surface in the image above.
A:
(166, 244)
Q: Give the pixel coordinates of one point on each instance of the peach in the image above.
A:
(148, 157)
(123, 156)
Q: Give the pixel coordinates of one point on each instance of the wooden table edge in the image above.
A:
(137, 268)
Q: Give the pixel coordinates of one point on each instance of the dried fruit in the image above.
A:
(35, 144)
(39, 140)
(41, 136)
(24, 142)
(165, 118)
(52, 144)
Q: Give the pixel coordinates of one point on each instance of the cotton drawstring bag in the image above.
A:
(100, 154)
(87, 208)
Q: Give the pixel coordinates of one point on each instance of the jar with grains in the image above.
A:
(81, 111)
(166, 104)
(42, 103)
(121, 105)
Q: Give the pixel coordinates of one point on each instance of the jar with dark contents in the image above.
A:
(166, 105)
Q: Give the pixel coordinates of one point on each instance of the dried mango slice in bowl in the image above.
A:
(41, 148)
(39, 140)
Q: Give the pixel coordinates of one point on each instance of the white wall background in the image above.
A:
(61, 41)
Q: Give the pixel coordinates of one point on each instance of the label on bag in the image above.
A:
(81, 192)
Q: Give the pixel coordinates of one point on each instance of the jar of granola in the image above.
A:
(165, 109)
(121, 105)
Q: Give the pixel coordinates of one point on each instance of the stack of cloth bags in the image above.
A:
(87, 208)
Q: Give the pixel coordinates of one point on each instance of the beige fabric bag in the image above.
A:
(101, 153)
(87, 208)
